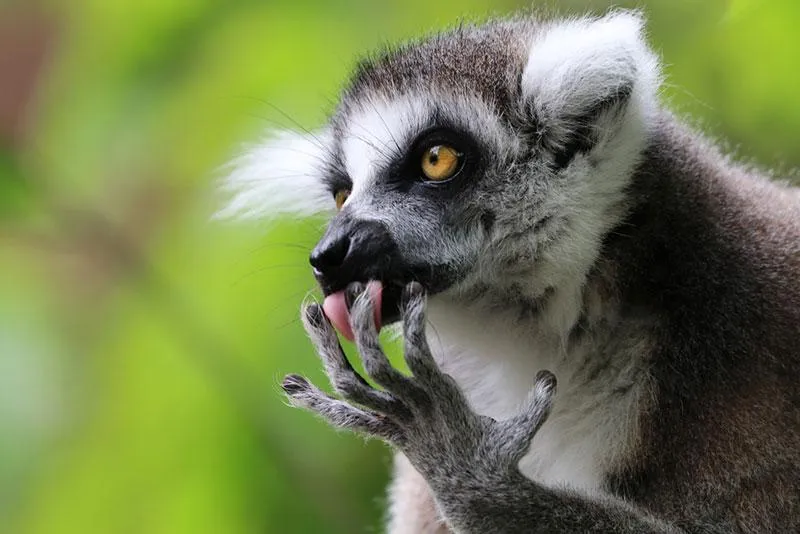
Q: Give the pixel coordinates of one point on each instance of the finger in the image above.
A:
(340, 414)
(520, 430)
(417, 351)
(345, 380)
(376, 363)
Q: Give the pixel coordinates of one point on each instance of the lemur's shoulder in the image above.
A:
(711, 244)
(686, 192)
(711, 250)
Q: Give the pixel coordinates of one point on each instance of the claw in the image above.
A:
(295, 385)
(546, 382)
(520, 430)
(412, 290)
(314, 315)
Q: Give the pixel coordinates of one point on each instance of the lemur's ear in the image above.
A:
(280, 176)
(584, 78)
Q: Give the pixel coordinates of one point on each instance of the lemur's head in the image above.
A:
(491, 156)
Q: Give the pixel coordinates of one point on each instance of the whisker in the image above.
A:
(297, 124)
(379, 150)
(292, 297)
(386, 126)
(294, 246)
(317, 157)
(389, 150)
(284, 325)
(267, 269)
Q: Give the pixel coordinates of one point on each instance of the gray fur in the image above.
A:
(469, 461)
(597, 238)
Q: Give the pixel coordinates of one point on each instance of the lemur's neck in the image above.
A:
(494, 354)
(494, 351)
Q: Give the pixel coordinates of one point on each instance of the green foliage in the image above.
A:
(141, 344)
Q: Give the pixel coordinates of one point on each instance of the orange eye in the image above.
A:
(340, 197)
(440, 162)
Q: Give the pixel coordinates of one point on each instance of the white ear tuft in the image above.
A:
(281, 176)
(577, 64)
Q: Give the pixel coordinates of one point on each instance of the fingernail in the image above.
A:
(547, 378)
(314, 313)
(293, 384)
(413, 288)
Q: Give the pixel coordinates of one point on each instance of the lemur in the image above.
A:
(600, 311)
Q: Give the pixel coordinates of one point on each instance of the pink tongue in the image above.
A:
(336, 309)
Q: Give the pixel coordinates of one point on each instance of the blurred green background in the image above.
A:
(140, 343)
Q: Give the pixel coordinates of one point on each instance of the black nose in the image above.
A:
(353, 251)
(330, 253)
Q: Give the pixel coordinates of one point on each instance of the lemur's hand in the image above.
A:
(426, 415)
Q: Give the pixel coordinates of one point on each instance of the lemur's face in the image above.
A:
(488, 157)
(421, 193)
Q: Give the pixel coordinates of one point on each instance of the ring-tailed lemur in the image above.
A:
(564, 226)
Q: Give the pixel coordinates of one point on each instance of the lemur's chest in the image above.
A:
(591, 425)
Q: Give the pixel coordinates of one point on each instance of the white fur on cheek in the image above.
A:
(280, 176)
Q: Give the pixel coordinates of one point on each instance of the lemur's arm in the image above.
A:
(469, 461)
